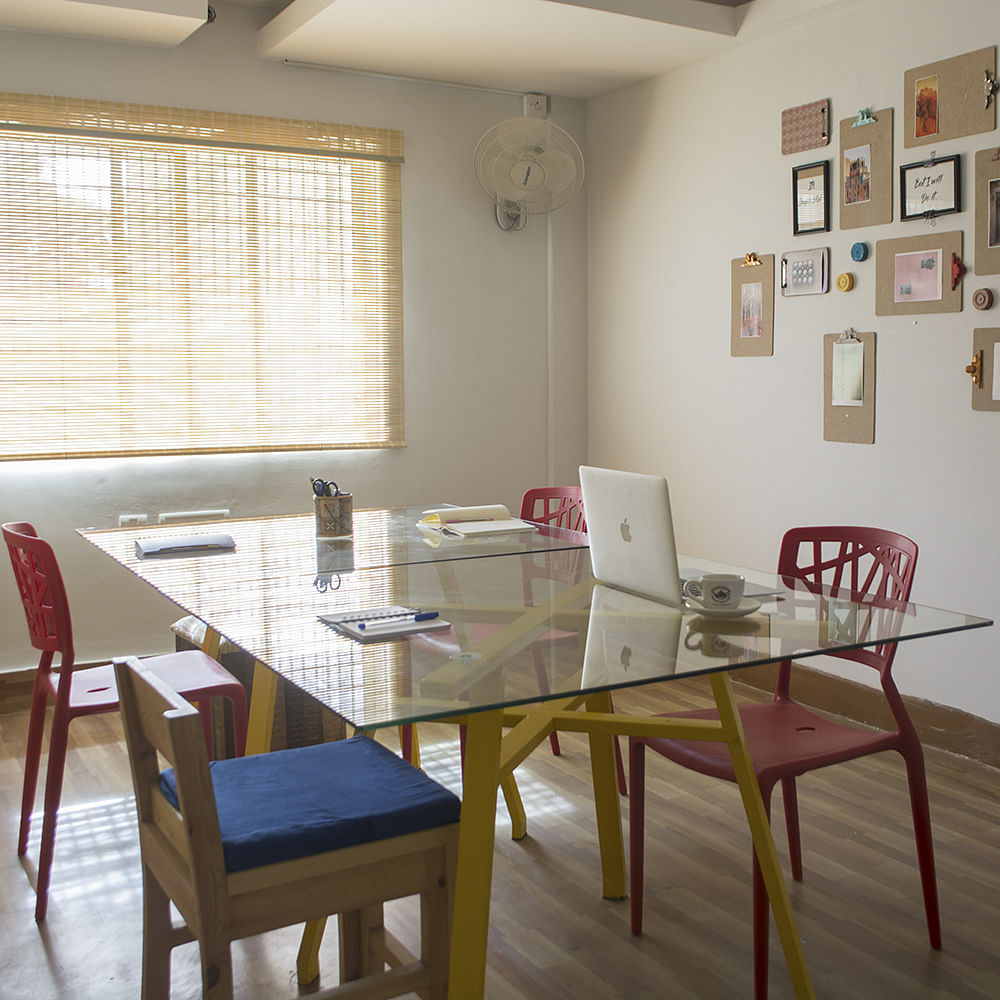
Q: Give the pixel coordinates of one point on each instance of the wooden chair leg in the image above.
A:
(155, 939)
(435, 923)
(216, 967)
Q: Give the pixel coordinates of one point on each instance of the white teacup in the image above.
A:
(721, 591)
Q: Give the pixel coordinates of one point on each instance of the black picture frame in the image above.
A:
(811, 198)
(930, 188)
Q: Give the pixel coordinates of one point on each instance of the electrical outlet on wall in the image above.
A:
(132, 520)
(536, 105)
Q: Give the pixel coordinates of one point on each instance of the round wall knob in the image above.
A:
(859, 251)
(982, 298)
(845, 282)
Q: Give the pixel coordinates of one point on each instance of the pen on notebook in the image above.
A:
(422, 616)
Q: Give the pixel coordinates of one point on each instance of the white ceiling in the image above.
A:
(567, 48)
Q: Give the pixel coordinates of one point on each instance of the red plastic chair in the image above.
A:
(786, 740)
(84, 691)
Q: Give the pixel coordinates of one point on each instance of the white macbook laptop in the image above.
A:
(631, 532)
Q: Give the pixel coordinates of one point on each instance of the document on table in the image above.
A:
(488, 519)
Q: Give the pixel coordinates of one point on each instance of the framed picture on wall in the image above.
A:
(930, 188)
(810, 198)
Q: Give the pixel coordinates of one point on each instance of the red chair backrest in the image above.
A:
(560, 506)
(40, 585)
(860, 562)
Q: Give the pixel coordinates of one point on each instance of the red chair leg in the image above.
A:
(761, 913)
(920, 807)
(32, 761)
(53, 795)
(790, 798)
(620, 768)
(636, 831)
(761, 931)
(406, 742)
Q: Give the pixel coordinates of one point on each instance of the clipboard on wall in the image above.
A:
(849, 387)
(752, 308)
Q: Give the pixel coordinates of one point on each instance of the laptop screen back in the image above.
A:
(631, 532)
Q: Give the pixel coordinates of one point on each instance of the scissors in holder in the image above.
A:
(325, 488)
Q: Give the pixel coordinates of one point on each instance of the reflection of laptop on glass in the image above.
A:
(629, 638)
(631, 532)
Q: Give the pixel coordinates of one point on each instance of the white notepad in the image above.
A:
(391, 622)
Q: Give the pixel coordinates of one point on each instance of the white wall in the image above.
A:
(483, 310)
(686, 173)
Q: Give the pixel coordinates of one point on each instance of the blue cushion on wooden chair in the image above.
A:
(294, 803)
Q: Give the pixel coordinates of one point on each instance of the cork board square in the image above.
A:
(805, 127)
(947, 99)
(752, 313)
(866, 171)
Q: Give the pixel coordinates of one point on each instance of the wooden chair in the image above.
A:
(786, 740)
(77, 691)
(254, 843)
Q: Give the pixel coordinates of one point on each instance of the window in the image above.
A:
(176, 282)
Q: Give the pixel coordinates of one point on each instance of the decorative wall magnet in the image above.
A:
(859, 251)
(990, 87)
(957, 271)
(982, 298)
(976, 369)
(845, 282)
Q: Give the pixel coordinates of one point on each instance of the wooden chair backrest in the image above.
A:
(182, 846)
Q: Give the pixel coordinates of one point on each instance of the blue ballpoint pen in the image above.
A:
(422, 616)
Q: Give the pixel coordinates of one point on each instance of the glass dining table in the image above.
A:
(504, 598)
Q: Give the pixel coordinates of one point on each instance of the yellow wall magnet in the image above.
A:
(845, 282)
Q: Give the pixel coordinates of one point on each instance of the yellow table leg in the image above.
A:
(606, 803)
(307, 963)
(763, 842)
(470, 926)
(515, 807)
(263, 694)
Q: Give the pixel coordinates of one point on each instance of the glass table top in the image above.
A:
(266, 597)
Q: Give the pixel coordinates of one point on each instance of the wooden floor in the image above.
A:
(859, 909)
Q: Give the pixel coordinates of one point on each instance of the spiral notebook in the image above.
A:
(390, 622)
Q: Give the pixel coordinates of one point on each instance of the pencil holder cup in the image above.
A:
(334, 516)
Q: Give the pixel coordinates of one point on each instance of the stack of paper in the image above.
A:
(489, 519)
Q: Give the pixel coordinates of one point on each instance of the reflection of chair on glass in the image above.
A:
(558, 507)
(255, 843)
(786, 740)
(84, 691)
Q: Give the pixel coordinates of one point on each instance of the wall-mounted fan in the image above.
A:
(527, 166)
